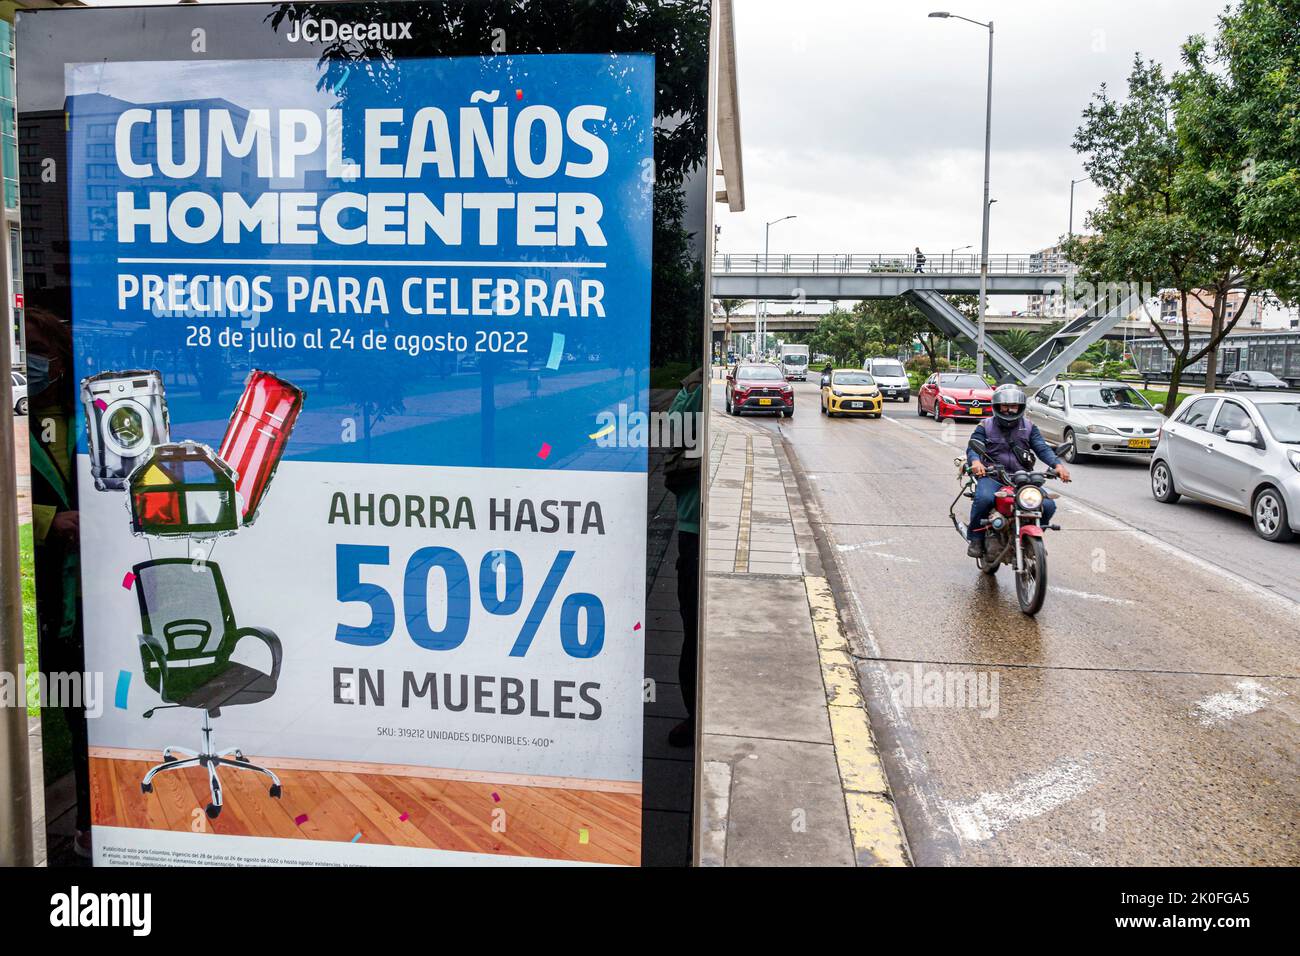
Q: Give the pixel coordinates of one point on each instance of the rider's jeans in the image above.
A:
(986, 490)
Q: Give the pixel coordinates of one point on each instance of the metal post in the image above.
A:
(984, 241)
(1070, 230)
(761, 330)
(1069, 234)
(15, 771)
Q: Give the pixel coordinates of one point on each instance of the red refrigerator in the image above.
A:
(258, 431)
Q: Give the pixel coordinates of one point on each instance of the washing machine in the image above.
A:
(126, 416)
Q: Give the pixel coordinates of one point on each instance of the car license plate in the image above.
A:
(1139, 443)
(765, 401)
(976, 410)
(855, 404)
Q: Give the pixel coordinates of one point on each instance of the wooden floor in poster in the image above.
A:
(446, 810)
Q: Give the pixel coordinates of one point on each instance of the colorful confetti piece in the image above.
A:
(357, 837)
(128, 579)
(123, 688)
(545, 451)
(636, 626)
(404, 817)
(519, 94)
(300, 819)
(101, 404)
(495, 797)
(557, 350)
(602, 433)
(338, 86)
(583, 837)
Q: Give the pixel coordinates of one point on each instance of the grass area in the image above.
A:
(29, 608)
(56, 741)
(1158, 396)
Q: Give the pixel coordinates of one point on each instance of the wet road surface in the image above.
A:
(1148, 715)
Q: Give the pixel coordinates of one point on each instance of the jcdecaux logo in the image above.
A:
(326, 31)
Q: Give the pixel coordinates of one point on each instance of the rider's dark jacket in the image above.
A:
(1002, 443)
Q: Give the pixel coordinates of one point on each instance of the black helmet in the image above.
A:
(1008, 404)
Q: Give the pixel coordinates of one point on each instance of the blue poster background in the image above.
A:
(531, 410)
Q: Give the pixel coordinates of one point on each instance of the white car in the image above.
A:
(20, 392)
(890, 376)
(1238, 452)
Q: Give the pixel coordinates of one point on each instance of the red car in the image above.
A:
(758, 387)
(954, 395)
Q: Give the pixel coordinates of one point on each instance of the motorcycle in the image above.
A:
(1014, 533)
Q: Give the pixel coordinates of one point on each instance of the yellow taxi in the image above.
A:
(850, 391)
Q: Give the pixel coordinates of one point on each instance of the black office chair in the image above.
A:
(189, 635)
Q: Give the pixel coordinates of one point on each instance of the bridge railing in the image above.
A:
(834, 263)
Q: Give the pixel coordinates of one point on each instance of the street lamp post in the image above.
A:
(988, 140)
(761, 336)
(952, 255)
(1073, 182)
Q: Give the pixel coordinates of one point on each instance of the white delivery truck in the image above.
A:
(890, 376)
(794, 362)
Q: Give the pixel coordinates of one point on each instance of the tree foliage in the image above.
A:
(1201, 176)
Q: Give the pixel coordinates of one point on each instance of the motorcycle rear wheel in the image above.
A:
(1031, 583)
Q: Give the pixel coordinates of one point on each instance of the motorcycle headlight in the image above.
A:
(1101, 430)
(1029, 498)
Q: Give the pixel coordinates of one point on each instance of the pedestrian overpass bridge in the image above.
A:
(833, 276)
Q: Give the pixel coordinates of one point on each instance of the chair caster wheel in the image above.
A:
(146, 788)
(168, 758)
(275, 790)
(213, 811)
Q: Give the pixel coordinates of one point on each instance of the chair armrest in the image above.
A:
(154, 648)
(268, 638)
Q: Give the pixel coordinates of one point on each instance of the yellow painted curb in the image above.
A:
(825, 617)
(855, 750)
(877, 835)
(840, 679)
(877, 840)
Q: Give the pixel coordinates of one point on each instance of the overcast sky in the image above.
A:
(866, 119)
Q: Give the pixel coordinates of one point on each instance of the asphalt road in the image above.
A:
(1150, 713)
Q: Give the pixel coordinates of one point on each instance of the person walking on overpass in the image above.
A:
(920, 260)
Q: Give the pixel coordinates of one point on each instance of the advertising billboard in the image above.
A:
(358, 560)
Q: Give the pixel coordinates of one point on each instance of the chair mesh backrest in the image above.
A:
(184, 591)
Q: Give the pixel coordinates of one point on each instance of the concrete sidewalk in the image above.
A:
(791, 773)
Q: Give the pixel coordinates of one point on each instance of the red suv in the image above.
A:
(758, 387)
(954, 395)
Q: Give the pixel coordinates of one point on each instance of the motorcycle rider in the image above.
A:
(1006, 436)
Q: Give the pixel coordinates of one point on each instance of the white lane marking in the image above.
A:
(1258, 590)
(864, 544)
(1032, 797)
(1247, 697)
(1104, 598)
(893, 557)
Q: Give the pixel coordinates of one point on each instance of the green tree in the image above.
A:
(1201, 176)
(842, 335)
(727, 308)
(1019, 342)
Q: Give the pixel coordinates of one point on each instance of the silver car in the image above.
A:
(1106, 419)
(1237, 452)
